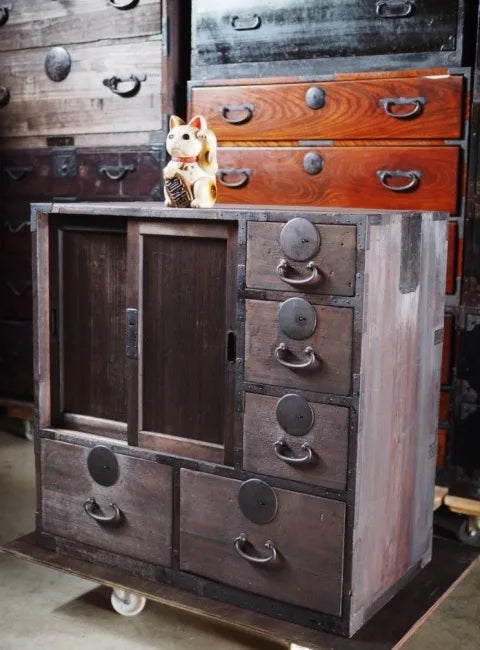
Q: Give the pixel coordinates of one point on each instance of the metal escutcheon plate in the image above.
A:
(295, 415)
(103, 466)
(257, 501)
(300, 239)
(58, 64)
(297, 318)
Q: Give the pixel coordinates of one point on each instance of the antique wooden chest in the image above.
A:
(240, 402)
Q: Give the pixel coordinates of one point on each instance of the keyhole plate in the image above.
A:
(297, 318)
(103, 466)
(257, 501)
(300, 239)
(295, 415)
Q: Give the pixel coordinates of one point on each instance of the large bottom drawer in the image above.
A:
(396, 178)
(219, 533)
(139, 502)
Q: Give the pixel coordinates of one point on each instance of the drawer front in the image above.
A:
(335, 260)
(330, 344)
(240, 32)
(34, 23)
(81, 103)
(16, 360)
(366, 109)
(306, 531)
(16, 237)
(272, 450)
(142, 493)
(346, 177)
(26, 175)
(15, 287)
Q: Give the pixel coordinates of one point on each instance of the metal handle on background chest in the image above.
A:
(292, 460)
(5, 13)
(395, 8)
(116, 172)
(239, 26)
(244, 175)
(242, 108)
(4, 96)
(417, 102)
(309, 352)
(129, 4)
(240, 543)
(91, 508)
(132, 84)
(16, 228)
(414, 182)
(283, 267)
(17, 173)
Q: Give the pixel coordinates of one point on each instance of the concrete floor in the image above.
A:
(43, 609)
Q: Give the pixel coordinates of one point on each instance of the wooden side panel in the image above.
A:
(93, 275)
(348, 178)
(398, 417)
(143, 493)
(331, 341)
(335, 260)
(307, 531)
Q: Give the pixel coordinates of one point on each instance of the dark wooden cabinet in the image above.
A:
(241, 385)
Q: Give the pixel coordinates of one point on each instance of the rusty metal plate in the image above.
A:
(300, 239)
(295, 415)
(103, 466)
(257, 501)
(58, 64)
(297, 318)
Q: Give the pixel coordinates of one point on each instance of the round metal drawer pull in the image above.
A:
(91, 507)
(4, 96)
(395, 8)
(309, 351)
(244, 175)
(129, 4)
(292, 460)
(243, 27)
(240, 543)
(283, 267)
(414, 182)
(312, 163)
(247, 109)
(315, 98)
(417, 102)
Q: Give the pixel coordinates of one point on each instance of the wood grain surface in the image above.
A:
(331, 341)
(335, 259)
(348, 178)
(307, 531)
(352, 110)
(328, 438)
(143, 493)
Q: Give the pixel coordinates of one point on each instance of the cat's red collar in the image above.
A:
(180, 159)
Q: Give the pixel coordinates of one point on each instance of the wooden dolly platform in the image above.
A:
(387, 630)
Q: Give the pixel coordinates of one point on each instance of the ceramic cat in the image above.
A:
(190, 179)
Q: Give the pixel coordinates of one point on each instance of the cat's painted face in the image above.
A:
(182, 141)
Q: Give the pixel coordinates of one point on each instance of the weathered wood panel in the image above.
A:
(331, 341)
(145, 530)
(307, 531)
(352, 110)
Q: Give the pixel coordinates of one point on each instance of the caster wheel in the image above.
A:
(471, 539)
(126, 602)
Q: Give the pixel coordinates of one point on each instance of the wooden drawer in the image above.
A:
(16, 237)
(264, 440)
(364, 109)
(289, 30)
(347, 177)
(331, 342)
(81, 103)
(15, 287)
(26, 175)
(335, 260)
(307, 532)
(34, 23)
(142, 493)
(16, 360)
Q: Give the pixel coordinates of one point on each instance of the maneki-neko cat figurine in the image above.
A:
(189, 177)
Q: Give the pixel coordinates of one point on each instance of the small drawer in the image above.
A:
(295, 439)
(16, 360)
(240, 520)
(135, 494)
(375, 109)
(325, 353)
(26, 175)
(387, 178)
(276, 259)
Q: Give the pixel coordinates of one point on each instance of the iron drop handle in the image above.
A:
(4, 96)
(283, 267)
(132, 84)
(17, 173)
(129, 4)
(91, 507)
(417, 102)
(18, 290)
(244, 175)
(247, 109)
(395, 8)
(309, 351)
(240, 542)
(116, 172)
(14, 229)
(292, 460)
(4, 13)
(413, 176)
(243, 27)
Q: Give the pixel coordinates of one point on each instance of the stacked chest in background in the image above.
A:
(84, 94)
